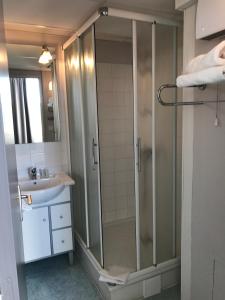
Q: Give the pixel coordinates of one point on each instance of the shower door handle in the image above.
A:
(94, 145)
(139, 154)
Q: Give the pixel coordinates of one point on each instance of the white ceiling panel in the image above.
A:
(53, 13)
(25, 57)
(70, 14)
(162, 7)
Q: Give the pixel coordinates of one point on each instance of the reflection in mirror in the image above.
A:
(34, 95)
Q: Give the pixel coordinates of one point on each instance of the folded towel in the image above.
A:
(210, 75)
(215, 57)
(115, 275)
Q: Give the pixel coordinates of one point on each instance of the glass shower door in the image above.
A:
(156, 143)
(114, 64)
(144, 142)
(75, 109)
(91, 142)
(165, 145)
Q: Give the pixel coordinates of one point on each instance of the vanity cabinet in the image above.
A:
(47, 228)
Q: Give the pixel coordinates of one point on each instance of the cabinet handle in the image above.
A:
(62, 241)
(61, 217)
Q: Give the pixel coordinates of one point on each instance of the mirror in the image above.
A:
(34, 95)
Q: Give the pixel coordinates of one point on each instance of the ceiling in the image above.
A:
(70, 14)
(25, 57)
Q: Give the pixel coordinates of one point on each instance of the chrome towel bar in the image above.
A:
(183, 103)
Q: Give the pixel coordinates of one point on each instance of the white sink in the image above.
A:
(46, 189)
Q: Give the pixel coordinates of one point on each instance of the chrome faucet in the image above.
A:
(33, 173)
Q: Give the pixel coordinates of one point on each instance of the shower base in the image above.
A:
(141, 284)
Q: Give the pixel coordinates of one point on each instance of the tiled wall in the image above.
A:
(115, 110)
(40, 155)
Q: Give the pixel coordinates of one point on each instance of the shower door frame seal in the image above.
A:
(84, 147)
(137, 197)
(134, 17)
(154, 150)
(175, 34)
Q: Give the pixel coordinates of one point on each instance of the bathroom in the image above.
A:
(106, 150)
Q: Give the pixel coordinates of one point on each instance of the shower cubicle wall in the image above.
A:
(123, 144)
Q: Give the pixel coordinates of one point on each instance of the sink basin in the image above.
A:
(42, 190)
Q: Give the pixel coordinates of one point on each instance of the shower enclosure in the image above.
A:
(124, 145)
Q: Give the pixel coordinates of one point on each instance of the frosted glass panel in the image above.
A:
(74, 97)
(144, 142)
(91, 141)
(116, 131)
(165, 134)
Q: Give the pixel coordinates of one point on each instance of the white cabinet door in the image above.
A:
(36, 236)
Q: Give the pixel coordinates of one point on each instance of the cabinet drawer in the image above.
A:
(61, 216)
(62, 240)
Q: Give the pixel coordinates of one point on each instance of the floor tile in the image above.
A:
(54, 278)
(170, 294)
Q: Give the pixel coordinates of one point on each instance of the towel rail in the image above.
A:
(183, 103)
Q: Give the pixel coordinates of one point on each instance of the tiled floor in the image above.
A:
(170, 294)
(54, 279)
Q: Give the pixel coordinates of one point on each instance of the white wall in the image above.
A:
(208, 205)
(203, 239)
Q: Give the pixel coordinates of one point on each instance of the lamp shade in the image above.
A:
(45, 56)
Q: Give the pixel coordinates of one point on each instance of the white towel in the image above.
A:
(115, 275)
(215, 57)
(210, 75)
